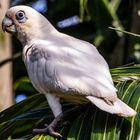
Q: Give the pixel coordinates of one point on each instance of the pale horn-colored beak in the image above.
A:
(7, 25)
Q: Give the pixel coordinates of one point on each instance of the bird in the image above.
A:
(62, 67)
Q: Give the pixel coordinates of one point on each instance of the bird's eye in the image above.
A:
(20, 15)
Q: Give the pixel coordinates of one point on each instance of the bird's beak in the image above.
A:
(8, 26)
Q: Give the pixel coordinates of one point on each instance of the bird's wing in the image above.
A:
(76, 67)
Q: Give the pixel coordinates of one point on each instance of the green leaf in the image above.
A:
(86, 122)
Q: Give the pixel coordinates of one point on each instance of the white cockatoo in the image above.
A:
(61, 66)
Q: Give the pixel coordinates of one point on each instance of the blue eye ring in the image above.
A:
(20, 15)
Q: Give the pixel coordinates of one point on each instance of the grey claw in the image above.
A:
(49, 130)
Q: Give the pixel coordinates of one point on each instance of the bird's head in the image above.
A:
(26, 23)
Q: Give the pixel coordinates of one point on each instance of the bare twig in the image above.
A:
(17, 55)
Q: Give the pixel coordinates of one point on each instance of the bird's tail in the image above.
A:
(118, 107)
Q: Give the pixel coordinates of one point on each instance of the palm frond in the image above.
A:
(86, 122)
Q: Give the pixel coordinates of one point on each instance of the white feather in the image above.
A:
(118, 107)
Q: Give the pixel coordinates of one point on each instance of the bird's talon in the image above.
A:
(47, 130)
(56, 134)
(39, 131)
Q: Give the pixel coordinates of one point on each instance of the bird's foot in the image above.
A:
(50, 129)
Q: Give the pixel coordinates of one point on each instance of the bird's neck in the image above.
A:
(37, 33)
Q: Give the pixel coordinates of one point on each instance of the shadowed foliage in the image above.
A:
(85, 122)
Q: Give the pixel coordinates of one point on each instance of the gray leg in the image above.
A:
(57, 111)
(54, 104)
(49, 129)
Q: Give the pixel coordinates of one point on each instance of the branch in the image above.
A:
(17, 55)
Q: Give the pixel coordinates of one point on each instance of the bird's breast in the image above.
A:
(40, 70)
